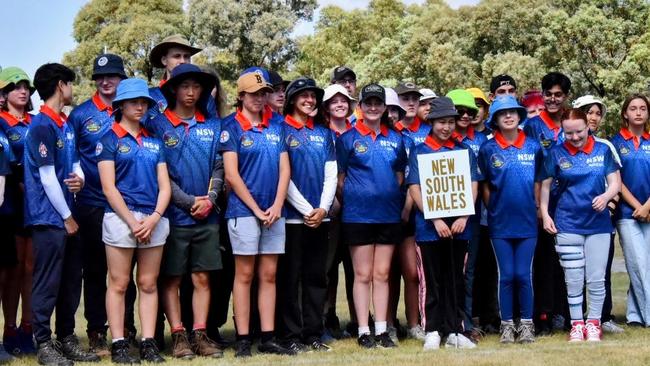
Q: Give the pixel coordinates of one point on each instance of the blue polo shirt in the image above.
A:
(543, 129)
(581, 176)
(258, 155)
(15, 131)
(310, 147)
(191, 150)
(6, 159)
(424, 229)
(472, 139)
(136, 163)
(416, 132)
(371, 193)
(510, 171)
(635, 157)
(49, 141)
(161, 103)
(90, 121)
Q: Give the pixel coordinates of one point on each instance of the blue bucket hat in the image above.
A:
(503, 103)
(132, 88)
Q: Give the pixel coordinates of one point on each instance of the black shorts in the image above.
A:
(364, 234)
(8, 254)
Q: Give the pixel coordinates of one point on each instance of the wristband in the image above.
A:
(157, 213)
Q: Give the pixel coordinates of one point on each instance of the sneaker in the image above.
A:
(273, 347)
(98, 345)
(610, 326)
(120, 353)
(416, 332)
(5, 357)
(384, 341)
(526, 332)
(366, 341)
(318, 346)
(295, 345)
(593, 330)
(243, 348)
(149, 351)
(204, 346)
(558, 322)
(48, 354)
(26, 340)
(474, 335)
(11, 340)
(431, 341)
(577, 333)
(71, 349)
(507, 332)
(392, 333)
(181, 347)
(458, 340)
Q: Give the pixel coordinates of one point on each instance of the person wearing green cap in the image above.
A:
(464, 133)
(14, 120)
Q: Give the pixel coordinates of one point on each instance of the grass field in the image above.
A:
(629, 348)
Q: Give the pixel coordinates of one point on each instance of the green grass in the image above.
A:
(630, 348)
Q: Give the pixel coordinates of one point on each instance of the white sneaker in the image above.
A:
(416, 332)
(593, 330)
(611, 327)
(459, 341)
(431, 341)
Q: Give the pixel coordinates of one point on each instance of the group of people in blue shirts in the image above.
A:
(266, 202)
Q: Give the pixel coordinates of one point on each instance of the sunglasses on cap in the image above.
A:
(470, 112)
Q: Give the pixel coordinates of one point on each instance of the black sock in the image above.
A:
(243, 337)
(266, 336)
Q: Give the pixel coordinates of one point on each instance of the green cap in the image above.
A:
(462, 98)
(14, 75)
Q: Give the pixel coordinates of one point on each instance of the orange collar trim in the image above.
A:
(503, 143)
(365, 130)
(177, 121)
(97, 101)
(587, 148)
(297, 124)
(13, 121)
(59, 119)
(413, 127)
(246, 125)
(433, 144)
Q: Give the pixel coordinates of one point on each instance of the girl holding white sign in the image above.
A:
(582, 225)
(442, 242)
(511, 164)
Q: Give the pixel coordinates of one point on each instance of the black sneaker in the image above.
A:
(383, 340)
(48, 354)
(319, 346)
(149, 351)
(243, 348)
(120, 353)
(366, 341)
(72, 350)
(273, 347)
(295, 345)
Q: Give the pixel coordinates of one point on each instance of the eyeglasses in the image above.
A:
(347, 81)
(470, 112)
(556, 95)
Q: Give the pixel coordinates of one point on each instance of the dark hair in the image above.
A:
(8, 89)
(201, 103)
(47, 79)
(556, 78)
(574, 113)
(319, 118)
(384, 120)
(585, 108)
(626, 104)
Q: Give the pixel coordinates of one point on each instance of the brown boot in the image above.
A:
(204, 346)
(181, 346)
(98, 344)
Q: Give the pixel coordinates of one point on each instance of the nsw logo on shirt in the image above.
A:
(151, 146)
(272, 137)
(391, 144)
(526, 159)
(204, 134)
(596, 161)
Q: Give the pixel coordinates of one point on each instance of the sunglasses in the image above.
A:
(470, 112)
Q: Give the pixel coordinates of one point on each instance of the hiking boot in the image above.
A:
(577, 333)
(273, 347)
(507, 332)
(458, 340)
(181, 347)
(526, 332)
(610, 326)
(431, 341)
(366, 341)
(71, 349)
(474, 334)
(97, 344)
(48, 354)
(11, 340)
(319, 346)
(5, 357)
(220, 341)
(120, 353)
(149, 351)
(593, 330)
(416, 332)
(204, 346)
(243, 348)
(383, 341)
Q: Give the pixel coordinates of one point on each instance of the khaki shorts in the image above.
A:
(249, 237)
(117, 233)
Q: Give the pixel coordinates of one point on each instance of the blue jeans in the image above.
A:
(515, 261)
(635, 241)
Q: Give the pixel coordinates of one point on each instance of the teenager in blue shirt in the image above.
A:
(90, 121)
(371, 159)
(257, 170)
(134, 178)
(511, 164)
(633, 218)
(190, 142)
(14, 121)
(302, 270)
(587, 178)
(52, 176)
(442, 243)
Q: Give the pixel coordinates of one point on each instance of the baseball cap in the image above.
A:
(407, 87)
(108, 64)
(373, 90)
(427, 94)
(251, 82)
(339, 73)
(501, 80)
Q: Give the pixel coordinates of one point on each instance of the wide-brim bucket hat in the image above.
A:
(183, 72)
(132, 88)
(503, 103)
(299, 85)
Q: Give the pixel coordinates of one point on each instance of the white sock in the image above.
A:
(380, 327)
(117, 339)
(364, 330)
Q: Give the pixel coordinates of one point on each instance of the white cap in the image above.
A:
(587, 100)
(392, 99)
(427, 94)
(334, 89)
